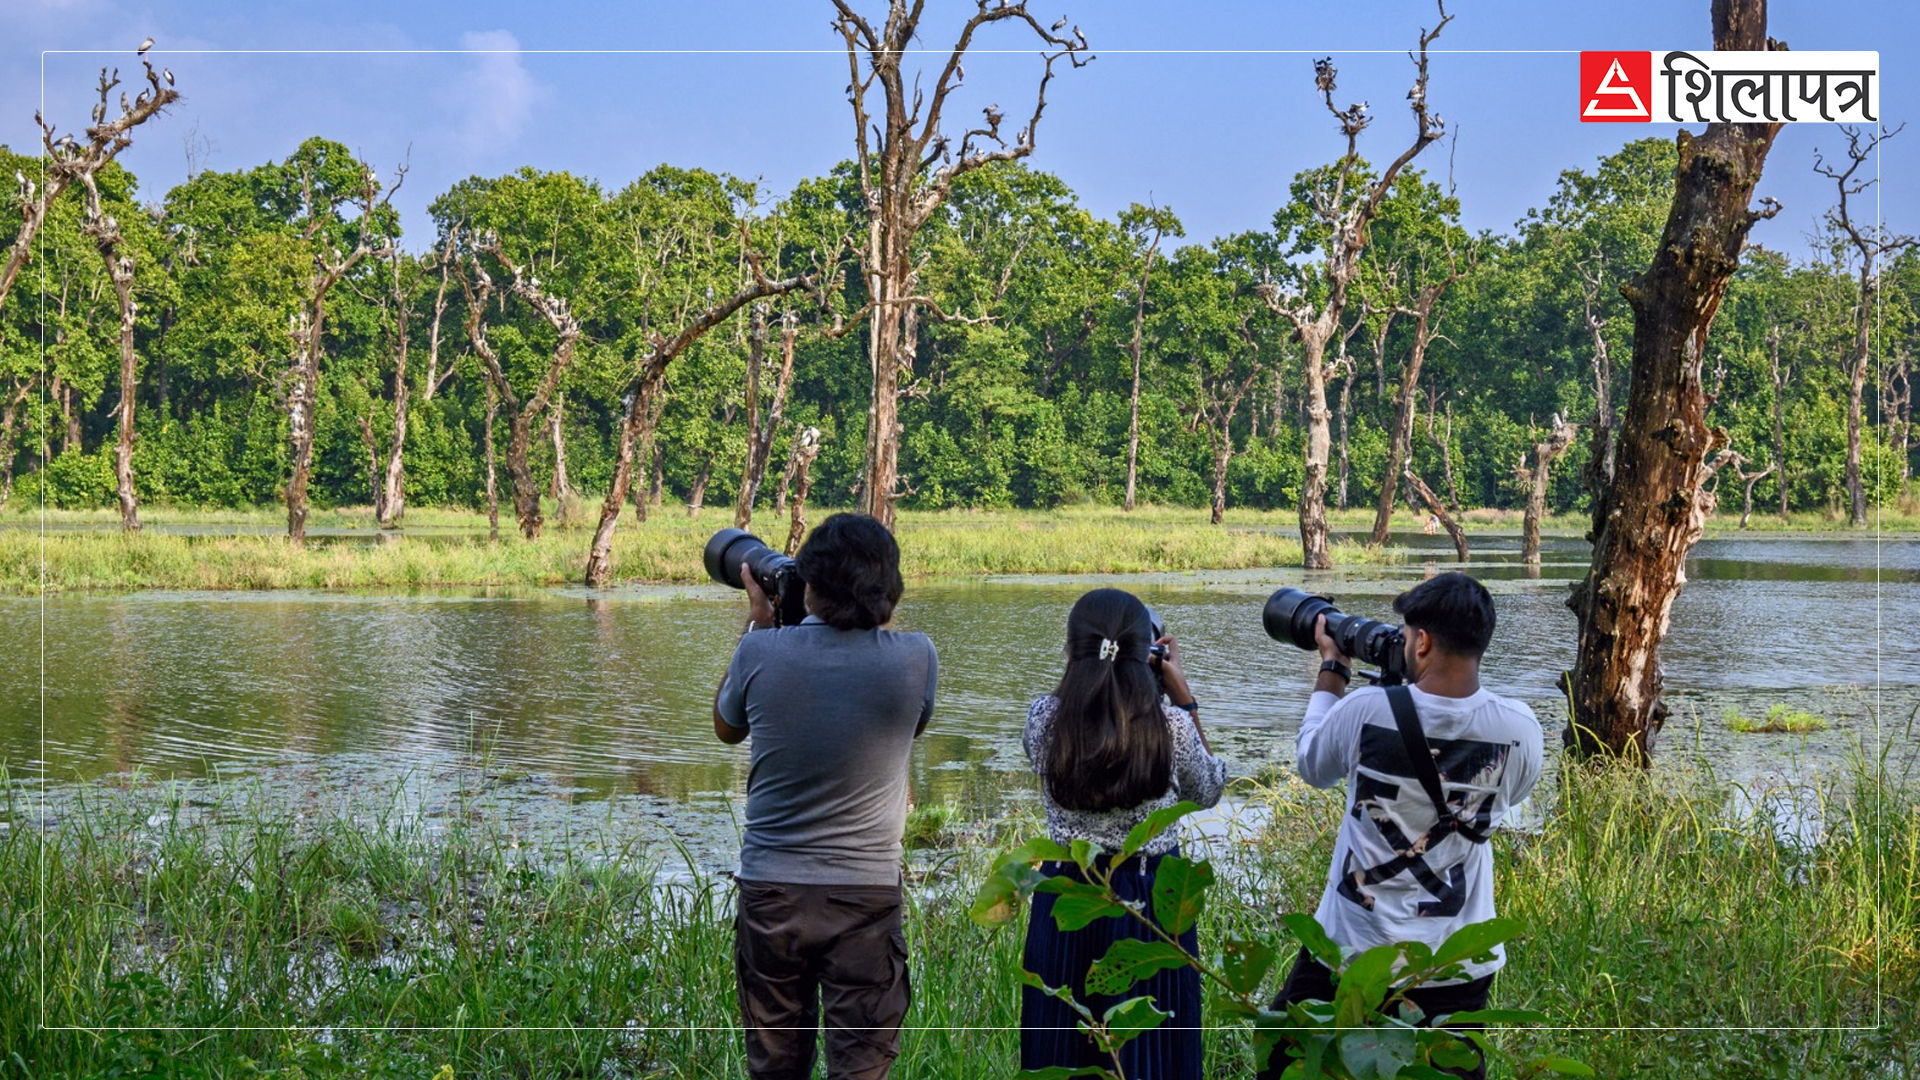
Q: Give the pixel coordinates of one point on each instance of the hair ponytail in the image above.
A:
(1110, 747)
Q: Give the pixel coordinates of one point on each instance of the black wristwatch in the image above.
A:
(1338, 668)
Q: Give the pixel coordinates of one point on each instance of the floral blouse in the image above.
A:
(1198, 777)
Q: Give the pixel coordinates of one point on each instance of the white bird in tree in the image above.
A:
(144, 46)
(167, 74)
(1057, 27)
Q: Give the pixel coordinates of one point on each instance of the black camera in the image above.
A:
(1158, 630)
(778, 575)
(1290, 615)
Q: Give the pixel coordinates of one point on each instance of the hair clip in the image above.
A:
(1109, 648)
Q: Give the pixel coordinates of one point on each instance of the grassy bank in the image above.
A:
(84, 551)
(443, 946)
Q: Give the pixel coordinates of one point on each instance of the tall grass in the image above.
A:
(244, 938)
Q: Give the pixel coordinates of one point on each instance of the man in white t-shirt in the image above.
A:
(1401, 871)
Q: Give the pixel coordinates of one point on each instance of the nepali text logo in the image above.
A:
(1729, 87)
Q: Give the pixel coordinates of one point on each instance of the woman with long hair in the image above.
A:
(1109, 751)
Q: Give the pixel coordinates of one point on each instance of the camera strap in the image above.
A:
(1420, 754)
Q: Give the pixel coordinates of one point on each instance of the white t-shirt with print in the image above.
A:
(1384, 884)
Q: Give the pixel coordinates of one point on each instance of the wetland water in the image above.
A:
(594, 705)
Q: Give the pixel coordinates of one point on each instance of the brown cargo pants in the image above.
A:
(797, 947)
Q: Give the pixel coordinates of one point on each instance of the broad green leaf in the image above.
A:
(1476, 940)
(997, 903)
(1132, 1018)
(1308, 932)
(1036, 851)
(1130, 960)
(1073, 911)
(1363, 986)
(1377, 1053)
(1179, 892)
(1493, 1017)
(1244, 962)
(1084, 852)
(1565, 1066)
(1154, 824)
(1453, 1054)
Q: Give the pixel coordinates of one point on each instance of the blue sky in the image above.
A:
(1202, 110)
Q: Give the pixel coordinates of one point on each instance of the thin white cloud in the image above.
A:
(495, 98)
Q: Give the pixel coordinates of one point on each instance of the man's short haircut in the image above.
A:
(853, 565)
(1454, 608)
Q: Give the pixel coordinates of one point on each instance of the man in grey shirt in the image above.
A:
(832, 706)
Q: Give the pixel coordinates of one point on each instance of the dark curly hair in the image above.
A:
(1454, 608)
(853, 566)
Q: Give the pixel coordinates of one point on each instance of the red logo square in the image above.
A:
(1616, 87)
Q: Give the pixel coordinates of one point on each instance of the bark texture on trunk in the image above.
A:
(806, 447)
(390, 498)
(104, 231)
(1559, 436)
(493, 472)
(1653, 511)
(1400, 442)
(761, 429)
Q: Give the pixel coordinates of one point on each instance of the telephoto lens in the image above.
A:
(777, 575)
(1289, 616)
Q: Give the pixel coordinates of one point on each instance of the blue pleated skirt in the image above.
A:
(1048, 1028)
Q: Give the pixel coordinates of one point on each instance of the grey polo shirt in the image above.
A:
(832, 715)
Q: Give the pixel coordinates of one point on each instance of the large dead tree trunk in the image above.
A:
(521, 412)
(1599, 469)
(806, 447)
(69, 160)
(9, 417)
(1560, 435)
(1220, 404)
(1871, 243)
(637, 426)
(104, 230)
(906, 172)
(1654, 510)
(1750, 479)
(1133, 351)
(562, 488)
(493, 469)
(1779, 376)
(1346, 218)
(390, 502)
(1400, 442)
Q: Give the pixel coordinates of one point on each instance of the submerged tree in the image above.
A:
(907, 168)
(1340, 214)
(1651, 513)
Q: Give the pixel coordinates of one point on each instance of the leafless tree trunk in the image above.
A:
(1344, 368)
(1133, 350)
(637, 427)
(9, 416)
(1654, 510)
(309, 336)
(1871, 242)
(1417, 490)
(1559, 436)
(806, 447)
(1442, 441)
(1599, 468)
(521, 414)
(68, 160)
(906, 172)
(1400, 442)
(1346, 219)
(391, 501)
(562, 489)
(1779, 376)
(760, 430)
(105, 233)
(1896, 411)
(1750, 479)
(493, 498)
(1220, 411)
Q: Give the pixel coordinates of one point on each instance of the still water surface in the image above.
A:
(593, 699)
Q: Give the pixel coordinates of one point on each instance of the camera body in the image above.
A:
(1290, 614)
(777, 575)
(1159, 630)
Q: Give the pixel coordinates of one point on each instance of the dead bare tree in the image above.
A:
(1779, 376)
(1599, 469)
(761, 429)
(1400, 442)
(806, 447)
(493, 471)
(1560, 435)
(640, 396)
(907, 168)
(1870, 243)
(308, 325)
(1346, 217)
(521, 412)
(1220, 399)
(1418, 490)
(1651, 513)
(69, 160)
(117, 256)
(1750, 479)
(561, 487)
(1161, 222)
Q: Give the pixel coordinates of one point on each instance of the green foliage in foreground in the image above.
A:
(1780, 718)
(405, 941)
(1368, 1031)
